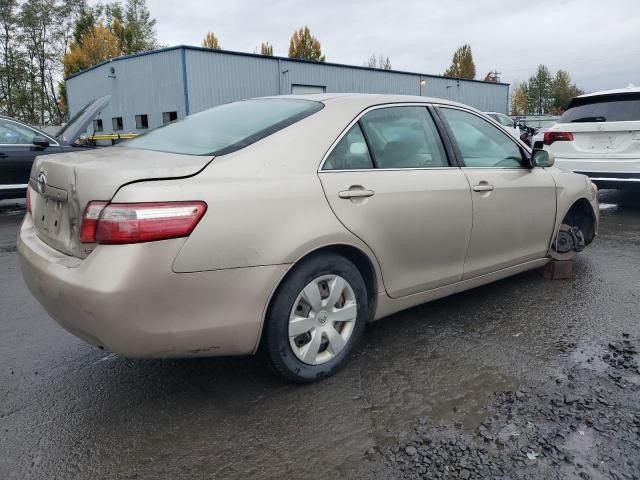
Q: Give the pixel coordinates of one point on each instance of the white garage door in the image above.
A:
(307, 89)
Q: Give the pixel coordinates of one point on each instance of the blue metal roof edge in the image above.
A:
(257, 55)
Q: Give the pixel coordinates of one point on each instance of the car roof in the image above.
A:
(370, 99)
(629, 89)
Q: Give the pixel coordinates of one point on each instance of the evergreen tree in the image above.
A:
(462, 65)
(562, 91)
(539, 94)
(306, 46)
(266, 49)
(211, 41)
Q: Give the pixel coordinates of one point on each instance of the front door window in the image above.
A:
(480, 143)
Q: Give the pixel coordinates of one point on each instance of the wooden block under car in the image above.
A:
(559, 270)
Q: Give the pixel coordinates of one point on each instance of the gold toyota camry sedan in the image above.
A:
(286, 224)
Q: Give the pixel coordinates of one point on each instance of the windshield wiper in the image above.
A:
(589, 119)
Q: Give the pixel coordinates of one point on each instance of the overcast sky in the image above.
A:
(597, 41)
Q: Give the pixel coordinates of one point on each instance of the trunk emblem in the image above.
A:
(42, 183)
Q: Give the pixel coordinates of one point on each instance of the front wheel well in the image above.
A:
(581, 215)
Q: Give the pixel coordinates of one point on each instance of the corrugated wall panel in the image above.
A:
(147, 84)
(216, 78)
(484, 96)
(343, 79)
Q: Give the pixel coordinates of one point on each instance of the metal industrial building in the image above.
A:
(155, 87)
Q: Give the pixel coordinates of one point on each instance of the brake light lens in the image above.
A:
(120, 223)
(90, 221)
(550, 137)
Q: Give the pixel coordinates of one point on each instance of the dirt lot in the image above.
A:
(524, 378)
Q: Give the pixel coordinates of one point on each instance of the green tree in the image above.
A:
(306, 46)
(266, 49)
(95, 46)
(539, 94)
(39, 37)
(462, 65)
(562, 91)
(138, 33)
(36, 35)
(10, 57)
(378, 61)
(211, 41)
(519, 103)
(87, 19)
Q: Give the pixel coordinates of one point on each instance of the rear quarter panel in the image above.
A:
(265, 203)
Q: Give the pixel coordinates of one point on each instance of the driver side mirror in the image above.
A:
(40, 141)
(542, 158)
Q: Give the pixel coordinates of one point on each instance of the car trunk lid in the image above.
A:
(62, 185)
(70, 132)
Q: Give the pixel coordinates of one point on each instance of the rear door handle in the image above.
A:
(483, 187)
(356, 193)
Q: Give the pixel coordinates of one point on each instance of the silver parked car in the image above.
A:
(286, 224)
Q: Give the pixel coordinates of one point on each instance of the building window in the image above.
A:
(142, 122)
(116, 123)
(97, 125)
(168, 117)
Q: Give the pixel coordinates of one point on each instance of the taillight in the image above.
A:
(90, 221)
(28, 196)
(550, 137)
(118, 223)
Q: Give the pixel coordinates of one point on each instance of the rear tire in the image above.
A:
(316, 318)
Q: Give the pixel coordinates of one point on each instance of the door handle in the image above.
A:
(356, 193)
(483, 187)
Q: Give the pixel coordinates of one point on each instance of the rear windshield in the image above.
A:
(604, 108)
(225, 128)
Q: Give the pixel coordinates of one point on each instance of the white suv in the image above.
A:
(599, 135)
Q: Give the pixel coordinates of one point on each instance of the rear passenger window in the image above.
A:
(351, 152)
(403, 137)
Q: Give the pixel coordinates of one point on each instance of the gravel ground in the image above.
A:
(583, 422)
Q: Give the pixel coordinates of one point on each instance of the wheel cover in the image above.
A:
(322, 319)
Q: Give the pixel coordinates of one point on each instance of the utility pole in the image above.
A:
(493, 76)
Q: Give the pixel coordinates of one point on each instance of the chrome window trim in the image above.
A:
(388, 169)
(15, 186)
(357, 119)
(52, 142)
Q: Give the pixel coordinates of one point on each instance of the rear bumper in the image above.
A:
(126, 299)
(605, 172)
(614, 180)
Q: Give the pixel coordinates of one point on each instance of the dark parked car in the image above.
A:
(20, 144)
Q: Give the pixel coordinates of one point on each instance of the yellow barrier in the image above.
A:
(112, 136)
